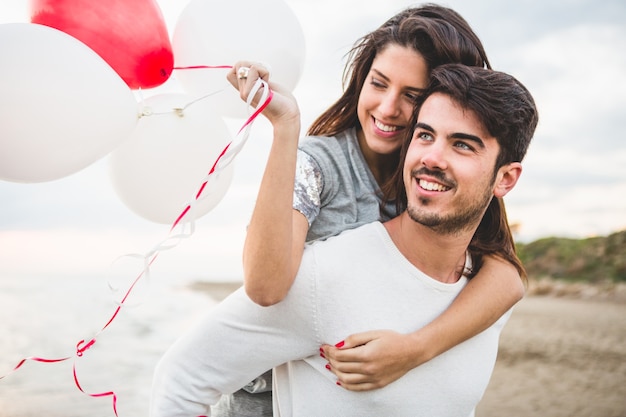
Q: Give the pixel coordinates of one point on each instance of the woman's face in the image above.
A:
(397, 76)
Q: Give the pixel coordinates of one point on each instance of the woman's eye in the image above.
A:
(377, 83)
(411, 96)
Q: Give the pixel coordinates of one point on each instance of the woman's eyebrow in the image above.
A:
(384, 77)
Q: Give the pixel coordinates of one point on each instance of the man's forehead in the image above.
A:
(446, 116)
(444, 109)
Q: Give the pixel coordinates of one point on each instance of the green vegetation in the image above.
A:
(595, 259)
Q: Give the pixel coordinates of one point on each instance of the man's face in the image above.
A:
(448, 170)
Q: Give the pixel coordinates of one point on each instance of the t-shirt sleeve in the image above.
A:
(307, 187)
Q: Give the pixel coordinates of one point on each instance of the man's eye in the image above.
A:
(464, 146)
(425, 136)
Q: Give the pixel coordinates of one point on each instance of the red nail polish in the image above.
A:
(328, 367)
(340, 344)
(338, 383)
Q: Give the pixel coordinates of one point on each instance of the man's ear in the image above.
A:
(507, 178)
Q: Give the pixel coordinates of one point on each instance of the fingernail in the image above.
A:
(338, 383)
(328, 366)
(340, 344)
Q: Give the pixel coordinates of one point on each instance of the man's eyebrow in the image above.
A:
(459, 135)
(473, 138)
(424, 126)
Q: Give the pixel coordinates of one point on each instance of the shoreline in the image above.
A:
(217, 290)
(606, 291)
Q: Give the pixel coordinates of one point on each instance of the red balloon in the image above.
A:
(130, 35)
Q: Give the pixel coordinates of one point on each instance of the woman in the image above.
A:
(351, 152)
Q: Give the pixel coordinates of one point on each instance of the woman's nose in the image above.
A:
(390, 105)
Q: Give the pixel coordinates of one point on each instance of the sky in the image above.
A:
(568, 53)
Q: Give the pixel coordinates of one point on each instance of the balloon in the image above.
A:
(162, 166)
(62, 107)
(221, 32)
(14, 11)
(130, 35)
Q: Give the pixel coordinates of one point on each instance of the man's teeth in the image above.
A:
(384, 127)
(432, 186)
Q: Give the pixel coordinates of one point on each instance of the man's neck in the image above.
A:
(440, 256)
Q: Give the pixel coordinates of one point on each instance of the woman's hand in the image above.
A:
(374, 359)
(371, 360)
(282, 109)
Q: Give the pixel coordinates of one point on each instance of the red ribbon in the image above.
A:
(101, 394)
(246, 124)
(82, 346)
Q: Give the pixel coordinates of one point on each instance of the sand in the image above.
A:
(562, 353)
(560, 357)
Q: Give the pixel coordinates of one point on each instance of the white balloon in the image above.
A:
(221, 32)
(159, 170)
(62, 107)
(14, 11)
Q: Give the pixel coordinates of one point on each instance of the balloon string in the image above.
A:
(98, 395)
(223, 160)
(239, 141)
(204, 67)
(34, 359)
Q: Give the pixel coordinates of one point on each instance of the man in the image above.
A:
(472, 129)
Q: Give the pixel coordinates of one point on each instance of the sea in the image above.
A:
(46, 318)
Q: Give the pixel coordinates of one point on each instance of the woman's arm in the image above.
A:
(371, 360)
(276, 233)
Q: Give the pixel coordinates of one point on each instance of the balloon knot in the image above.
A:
(80, 350)
(146, 111)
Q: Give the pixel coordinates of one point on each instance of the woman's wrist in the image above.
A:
(287, 128)
(423, 346)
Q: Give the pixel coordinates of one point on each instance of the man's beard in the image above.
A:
(462, 220)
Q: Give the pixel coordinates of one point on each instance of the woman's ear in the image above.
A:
(507, 178)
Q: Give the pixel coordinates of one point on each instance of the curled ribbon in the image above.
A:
(223, 160)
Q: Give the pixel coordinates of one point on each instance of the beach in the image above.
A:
(562, 353)
(560, 357)
(45, 318)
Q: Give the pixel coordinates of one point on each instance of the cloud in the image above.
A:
(569, 55)
(573, 74)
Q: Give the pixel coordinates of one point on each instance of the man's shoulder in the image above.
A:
(355, 238)
(334, 259)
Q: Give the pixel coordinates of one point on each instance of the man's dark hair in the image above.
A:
(508, 112)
